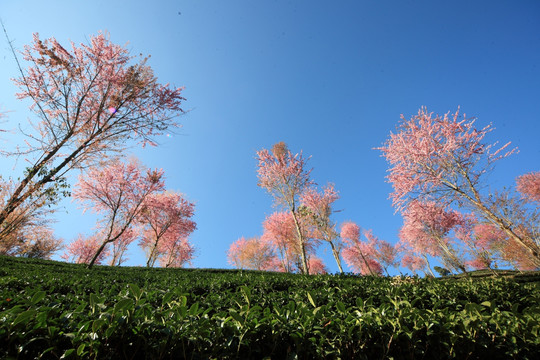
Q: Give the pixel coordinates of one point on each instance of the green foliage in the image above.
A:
(56, 310)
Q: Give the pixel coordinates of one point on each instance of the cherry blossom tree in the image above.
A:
(318, 209)
(284, 176)
(176, 251)
(445, 159)
(117, 193)
(164, 215)
(426, 229)
(83, 249)
(252, 254)
(414, 263)
(359, 255)
(383, 252)
(316, 265)
(89, 103)
(281, 233)
(529, 186)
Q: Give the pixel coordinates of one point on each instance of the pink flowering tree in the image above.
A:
(281, 234)
(176, 251)
(83, 249)
(164, 215)
(445, 159)
(383, 252)
(359, 255)
(427, 228)
(90, 102)
(529, 186)
(414, 263)
(252, 254)
(284, 176)
(116, 193)
(317, 207)
(317, 266)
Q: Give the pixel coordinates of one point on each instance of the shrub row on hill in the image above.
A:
(55, 310)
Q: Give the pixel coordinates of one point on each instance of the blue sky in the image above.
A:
(330, 78)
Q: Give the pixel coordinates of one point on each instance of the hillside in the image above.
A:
(53, 309)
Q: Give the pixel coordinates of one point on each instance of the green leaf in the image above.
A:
(486, 304)
(194, 309)
(24, 317)
(135, 291)
(124, 304)
(38, 296)
(67, 354)
(311, 300)
(340, 306)
(237, 317)
(80, 349)
(167, 298)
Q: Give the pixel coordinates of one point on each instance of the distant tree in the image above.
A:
(164, 215)
(318, 209)
(383, 252)
(442, 271)
(284, 176)
(83, 249)
(252, 254)
(316, 265)
(414, 263)
(176, 251)
(32, 241)
(117, 192)
(119, 247)
(444, 159)
(359, 255)
(89, 103)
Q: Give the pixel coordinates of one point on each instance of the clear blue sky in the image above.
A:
(330, 78)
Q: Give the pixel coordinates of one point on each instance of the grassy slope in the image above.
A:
(106, 312)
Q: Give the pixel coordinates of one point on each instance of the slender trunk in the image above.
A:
(302, 244)
(99, 250)
(150, 261)
(367, 263)
(427, 263)
(336, 256)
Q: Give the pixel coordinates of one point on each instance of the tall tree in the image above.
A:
(89, 103)
(164, 215)
(117, 192)
(445, 159)
(318, 208)
(284, 176)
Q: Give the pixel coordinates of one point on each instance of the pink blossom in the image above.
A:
(529, 185)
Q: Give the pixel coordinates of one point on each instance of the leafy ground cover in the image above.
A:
(55, 310)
